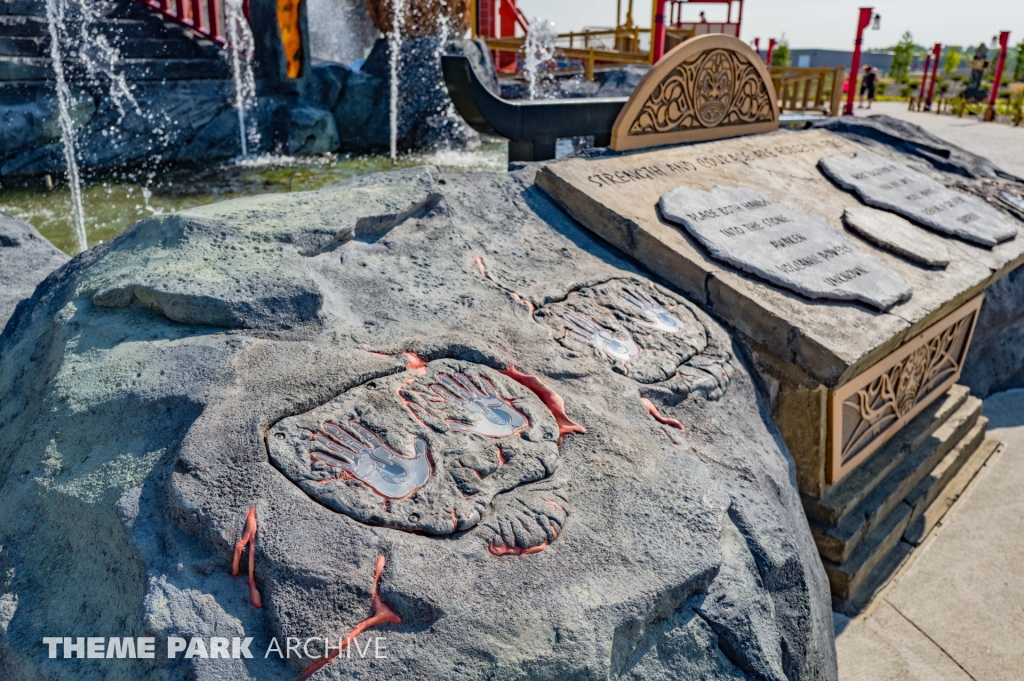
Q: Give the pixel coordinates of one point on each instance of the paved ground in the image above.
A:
(957, 612)
(1003, 144)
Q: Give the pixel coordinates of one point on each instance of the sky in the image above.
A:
(819, 23)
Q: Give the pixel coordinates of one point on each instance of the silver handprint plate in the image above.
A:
(423, 450)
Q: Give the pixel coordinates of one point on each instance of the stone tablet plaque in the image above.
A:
(896, 235)
(800, 252)
(886, 184)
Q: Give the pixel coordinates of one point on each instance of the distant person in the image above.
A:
(867, 86)
(980, 59)
(703, 19)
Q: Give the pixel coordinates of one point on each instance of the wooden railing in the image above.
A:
(591, 48)
(205, 17)
(809, 89)
(587, 57)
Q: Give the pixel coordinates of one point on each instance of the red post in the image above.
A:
(214, 26)
(771, 48)
(924, 77)
(863, 21)
(658, 32)
(990, 112)
(197, 15)
(757, 46)
(936, 53)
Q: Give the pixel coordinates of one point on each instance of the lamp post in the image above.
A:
(990, 111)
(936, 53)
(863, 21)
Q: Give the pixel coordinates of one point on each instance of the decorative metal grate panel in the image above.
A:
(871, 408)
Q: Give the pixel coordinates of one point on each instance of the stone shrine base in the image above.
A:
(873, 521)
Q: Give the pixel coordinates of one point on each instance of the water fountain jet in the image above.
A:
(539, 49)
(395, 50)
(56, 12)
(242, 46)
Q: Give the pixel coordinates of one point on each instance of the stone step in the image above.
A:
(906, 549)
(169, 47)
(930, 506)
(839, 501)
(37, 7)
(846, 578)
(39, 68)
(876, 581)
(15, 46)
(28, 26)
(837, 542)
(25, 68)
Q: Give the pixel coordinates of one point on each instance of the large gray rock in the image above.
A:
(26, 258)
(606, 494)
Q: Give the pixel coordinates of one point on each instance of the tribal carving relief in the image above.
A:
(645, 333)
(427, 450)
(716, 87)
(873, 407)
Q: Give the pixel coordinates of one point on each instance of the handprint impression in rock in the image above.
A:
(483, 410)
(646, 333)
(620, 346)
(657, 316)
(363, 454)
(427, 450)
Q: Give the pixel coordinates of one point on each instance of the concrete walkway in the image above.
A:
(957, 611)
(1001, 144)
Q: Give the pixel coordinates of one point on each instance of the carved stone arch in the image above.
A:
(708, 87)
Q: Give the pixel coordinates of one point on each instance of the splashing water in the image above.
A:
(395, 48)
(242, 47)
(539, 49)
(56, 11)
(101, 58)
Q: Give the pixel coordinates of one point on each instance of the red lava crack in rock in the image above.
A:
(248, 537)
(479, 262)
(416, 363)
(552, 400)
(382, 614)
(653, 411)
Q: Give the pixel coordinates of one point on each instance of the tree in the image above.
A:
(1018, 69)
(780, 57)
(901, 56)
(953, 60)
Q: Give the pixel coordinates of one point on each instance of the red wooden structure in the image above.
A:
(499, 19)
(990, 111)
(936, 53)
(669, 14)
(207, 21)
(863, 21)
(700, 25)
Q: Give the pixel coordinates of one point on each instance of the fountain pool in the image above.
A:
(112, 204)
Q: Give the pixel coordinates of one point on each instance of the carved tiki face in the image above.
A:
(713, 88)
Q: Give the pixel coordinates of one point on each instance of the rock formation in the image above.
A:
(418, 405)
